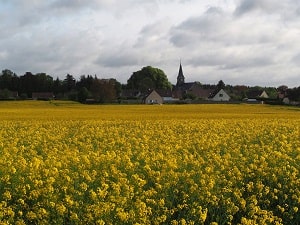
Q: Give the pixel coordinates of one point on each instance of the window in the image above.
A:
(220, 95)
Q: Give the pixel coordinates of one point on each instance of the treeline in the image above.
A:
(293, 93)
(86, 88)
(92, 89)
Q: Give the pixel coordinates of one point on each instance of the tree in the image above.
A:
(27, 84)
(69, 83)
(294, 94)
(272, 92)
(57, 86)
(148, 78)
(9, 80)
(5, 93)
(282, 88)
(104, 90)
(220, 85)
(83, 94)
(43, 82)
(85, 82)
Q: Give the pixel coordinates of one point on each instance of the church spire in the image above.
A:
(180, 77)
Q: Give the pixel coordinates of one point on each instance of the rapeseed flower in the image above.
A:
(191, 164)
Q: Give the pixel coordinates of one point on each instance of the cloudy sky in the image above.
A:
(251, 42)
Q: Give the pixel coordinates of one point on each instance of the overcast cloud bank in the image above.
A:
(252, 42)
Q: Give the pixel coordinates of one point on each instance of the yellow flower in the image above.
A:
(31, 216)
(61, 209)
(7, 196)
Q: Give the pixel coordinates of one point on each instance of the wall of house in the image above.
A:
(221, 96)
(264, 95)
(154, 98)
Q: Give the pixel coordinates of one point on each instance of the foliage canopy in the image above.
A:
(148, 78)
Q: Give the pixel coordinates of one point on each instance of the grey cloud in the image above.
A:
(153, 34)
(285, 8)
(247, 62)
(220, 27)
(230, 61)
(118, 60)
(296, 59)
(38, 51)
(73, 6)
(71, 3)
(33, 12)
(119, 56)
(265, 5)
(237, 42)
(247, 6)
(196, 29)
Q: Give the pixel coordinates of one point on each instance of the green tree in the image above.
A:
(294, 94)
(83, 94)
(272, 92)
(220, 85)
(57, 86)
(85, 82)
(27, 84)
(4, 94)
(9, 80)
(43, 82)
(69, 83)
(104, 90)
(148, 78)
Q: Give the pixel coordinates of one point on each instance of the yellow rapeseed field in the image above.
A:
(66, 163)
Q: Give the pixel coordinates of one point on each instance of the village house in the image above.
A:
(153, 98)
(220, 96)
(256, 95)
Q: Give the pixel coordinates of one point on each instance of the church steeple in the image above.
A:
(180, 77)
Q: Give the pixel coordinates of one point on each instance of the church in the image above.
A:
(195, 90)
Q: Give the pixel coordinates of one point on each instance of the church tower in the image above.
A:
(180, 77)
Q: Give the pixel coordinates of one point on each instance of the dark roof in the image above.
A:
(254, 93)
(186, 86)
(164, 93)
(204, 93)
(129, 93)
(213, 93)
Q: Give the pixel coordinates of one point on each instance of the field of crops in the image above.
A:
(66, 163)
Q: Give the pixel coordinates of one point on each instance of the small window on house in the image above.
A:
(220, 95)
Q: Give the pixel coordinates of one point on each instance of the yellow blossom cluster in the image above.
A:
(66, 163)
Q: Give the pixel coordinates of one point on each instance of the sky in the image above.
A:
(242, 42)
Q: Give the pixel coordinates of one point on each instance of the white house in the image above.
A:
(220, 96)
(153, 98)
(264, 95)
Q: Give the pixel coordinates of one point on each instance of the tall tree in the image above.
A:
(294, 94)
(85, 82)
(148, 78)
(43, 82)
(69, 83)
(9, 80)
(57, 86)
(83, 94)
(105, 90)
(220, 85)
(27, 84)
